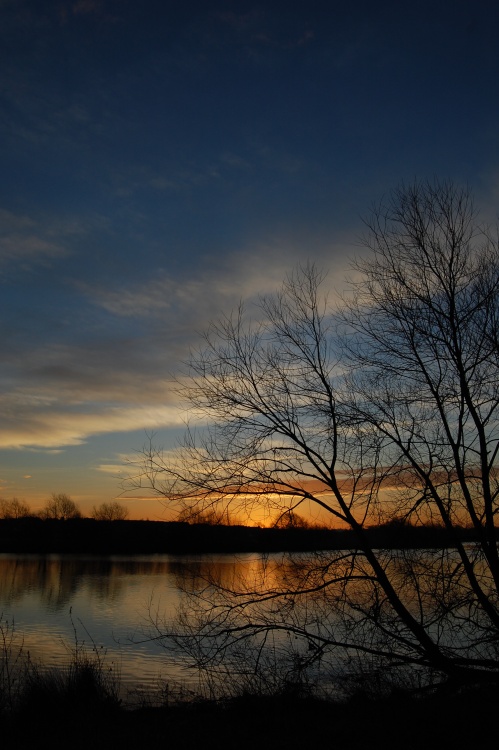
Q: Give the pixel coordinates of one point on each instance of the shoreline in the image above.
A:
(88, 536)
(439, 720)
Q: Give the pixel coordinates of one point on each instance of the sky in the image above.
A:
(163, 160)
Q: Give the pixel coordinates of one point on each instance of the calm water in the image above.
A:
(58, 601)
(55, 601)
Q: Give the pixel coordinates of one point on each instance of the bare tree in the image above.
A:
(14, 508)
(211, 516)
(112, 511)
(291, 520)
(60, 506)
(387, 410)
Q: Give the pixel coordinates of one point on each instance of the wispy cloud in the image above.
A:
(25, 240)
(118, 377)
(183, 307)
(55, 428)
(61, 395)
(113, 469)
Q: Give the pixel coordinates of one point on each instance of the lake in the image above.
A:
(56, 601)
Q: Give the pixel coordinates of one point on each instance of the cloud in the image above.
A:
(117, 375)
(55, 428)
(121, 464)
(59, 395)
(25, 240)
(218, 285)
(113, 469)
(150, 298)
(31, 247)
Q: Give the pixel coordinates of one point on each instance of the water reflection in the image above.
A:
(117, 602)
(56, 580)
(59, 600)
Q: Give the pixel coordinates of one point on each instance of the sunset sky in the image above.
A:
(162, 160)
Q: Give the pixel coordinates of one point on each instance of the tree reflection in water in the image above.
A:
(287, 622)
(237, 617)
(54, 601)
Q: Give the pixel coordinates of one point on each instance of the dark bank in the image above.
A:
(86, 535)
(84, 720)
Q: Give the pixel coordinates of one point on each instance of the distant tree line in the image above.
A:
(90, 536)
(61, 507)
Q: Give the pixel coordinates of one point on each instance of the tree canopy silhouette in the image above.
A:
(60, 506)
(112, 511)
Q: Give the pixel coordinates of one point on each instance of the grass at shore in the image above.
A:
(253, 723)
(80, 707)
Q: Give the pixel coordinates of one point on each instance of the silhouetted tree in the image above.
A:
(210, 516)
(60, 507)
(112, 511)
(386, 409)
(291, 520)
(14, 508)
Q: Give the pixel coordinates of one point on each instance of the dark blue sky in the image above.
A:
(162, 160)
